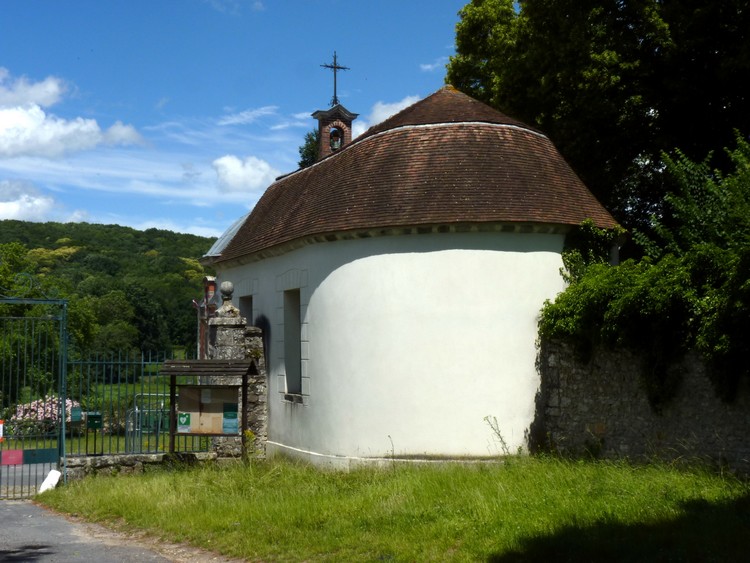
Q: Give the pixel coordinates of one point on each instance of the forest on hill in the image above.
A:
(128, 290)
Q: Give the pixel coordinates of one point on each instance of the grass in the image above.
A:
(525, 509)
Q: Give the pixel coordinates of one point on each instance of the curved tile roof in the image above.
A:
(446, 160)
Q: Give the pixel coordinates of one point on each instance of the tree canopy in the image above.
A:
(308, 151)
(127, 289)
(614, 84)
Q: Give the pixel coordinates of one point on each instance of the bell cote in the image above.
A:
(334, 129)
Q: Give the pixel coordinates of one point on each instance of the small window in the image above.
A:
(293, 342)
(246, 308)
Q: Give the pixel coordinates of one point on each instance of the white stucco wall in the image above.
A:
(408, 342)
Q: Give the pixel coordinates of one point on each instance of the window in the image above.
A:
(336, 137)
(293, 342)
(246, 308)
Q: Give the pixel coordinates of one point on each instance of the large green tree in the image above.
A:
(613, 83)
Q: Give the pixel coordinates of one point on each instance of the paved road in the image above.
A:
(31, 533)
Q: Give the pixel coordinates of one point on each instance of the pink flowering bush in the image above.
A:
(39, 417)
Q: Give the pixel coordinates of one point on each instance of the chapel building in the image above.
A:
(399, 280)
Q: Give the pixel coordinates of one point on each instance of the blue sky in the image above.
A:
(177, 114)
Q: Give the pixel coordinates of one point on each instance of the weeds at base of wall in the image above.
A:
(250, 445)
(393, 453)
(497, 435)
(593, 446)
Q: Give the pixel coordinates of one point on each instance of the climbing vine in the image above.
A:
(691, 290)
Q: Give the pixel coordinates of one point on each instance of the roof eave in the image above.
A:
(524, 227)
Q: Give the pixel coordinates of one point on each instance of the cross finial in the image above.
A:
(334, 67)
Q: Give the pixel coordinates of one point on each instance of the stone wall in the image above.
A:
(79, 467)
(601, 407)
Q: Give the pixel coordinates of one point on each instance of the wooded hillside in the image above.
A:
(127, 289)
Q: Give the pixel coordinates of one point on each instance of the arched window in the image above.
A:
(336, 138)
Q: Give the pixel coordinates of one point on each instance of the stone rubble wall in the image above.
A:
(79, 467)
(601, 408)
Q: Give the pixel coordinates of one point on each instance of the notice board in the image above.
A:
(207, 409)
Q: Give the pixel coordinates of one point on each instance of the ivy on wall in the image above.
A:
(690, 290)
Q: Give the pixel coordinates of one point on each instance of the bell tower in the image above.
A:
(334, 124)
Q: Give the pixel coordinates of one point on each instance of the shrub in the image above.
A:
(38, 417)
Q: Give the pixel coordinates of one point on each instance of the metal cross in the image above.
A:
(335, 67)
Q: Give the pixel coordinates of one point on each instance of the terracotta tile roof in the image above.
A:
(446, 160)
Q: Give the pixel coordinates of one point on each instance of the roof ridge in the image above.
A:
(446, 105)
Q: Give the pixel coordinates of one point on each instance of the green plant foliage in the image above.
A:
(14, 260)
(586, 245)
(691, 291)
(613, 84)
(127, 289)
(308, 152)
(523, 509)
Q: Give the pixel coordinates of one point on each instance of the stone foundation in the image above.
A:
(125, 464)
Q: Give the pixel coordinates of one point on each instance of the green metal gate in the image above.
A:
(33, 363)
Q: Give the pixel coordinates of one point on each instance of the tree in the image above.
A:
(125, 288)
(149, 318)
(14, 260)
(308, 152)
(614, 84)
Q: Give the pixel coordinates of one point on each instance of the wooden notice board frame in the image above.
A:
(214, 369)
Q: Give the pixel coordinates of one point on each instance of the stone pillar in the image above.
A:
(229, 338)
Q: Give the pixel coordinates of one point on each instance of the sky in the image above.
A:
(177, 114)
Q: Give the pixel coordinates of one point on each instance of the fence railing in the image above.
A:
(119, 404)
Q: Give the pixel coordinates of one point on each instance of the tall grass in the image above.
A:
(524, 509)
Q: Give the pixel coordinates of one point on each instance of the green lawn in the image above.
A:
(525, 509)
(95, 443)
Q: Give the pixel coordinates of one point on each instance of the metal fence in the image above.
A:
(54, 403)
(119, 404)
(33, 348)
(54, 409)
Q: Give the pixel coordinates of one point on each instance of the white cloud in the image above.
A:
(22, 201)
(20, 91)
(250, 174)
(233, 7)
(380, 112)
(120, 134)
(28, 130)
(247, 116)
(437, 64)
(294, 124)
(162, 103)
